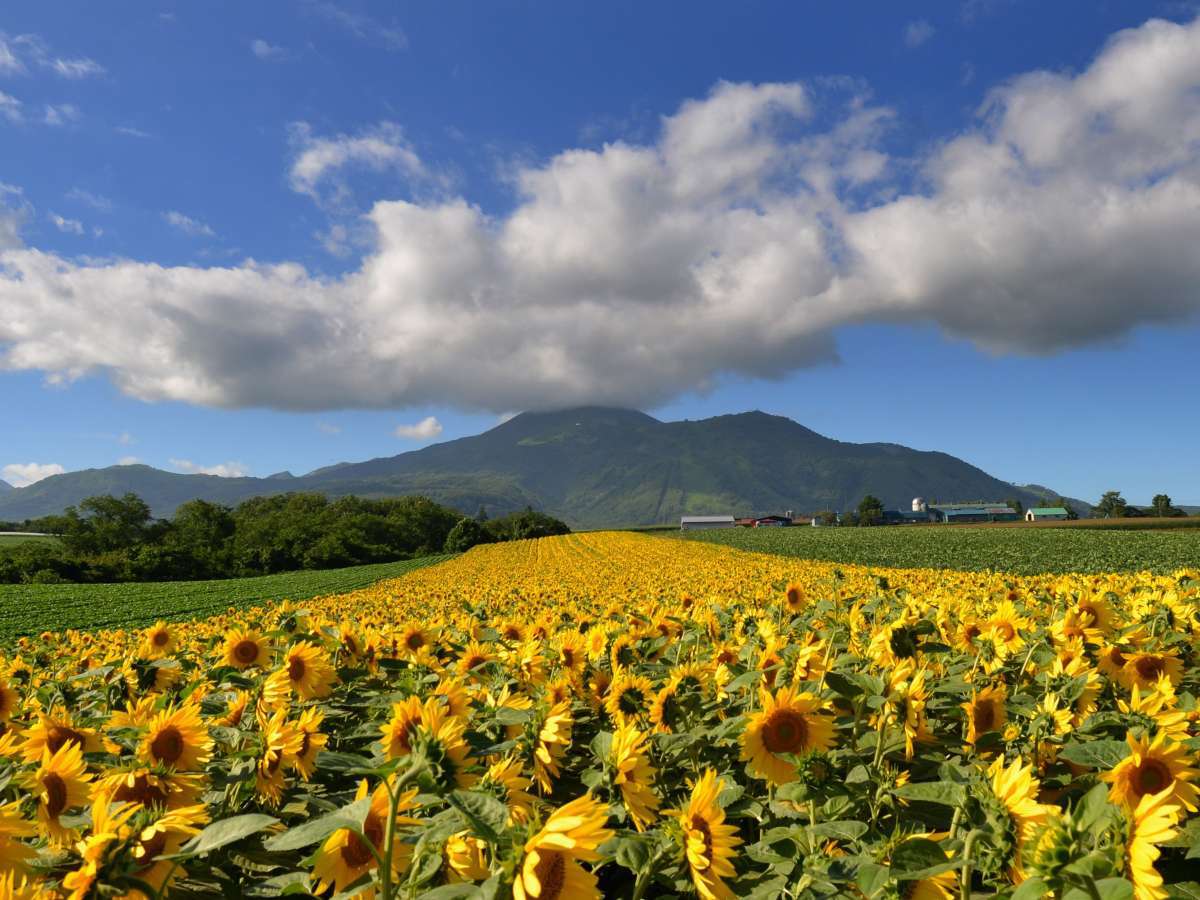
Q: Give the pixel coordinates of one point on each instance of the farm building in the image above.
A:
(698, 523)
(972, 512)
(1046, 514)
(905, 517)
(764, 521)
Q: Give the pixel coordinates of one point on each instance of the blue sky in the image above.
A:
(255, 237)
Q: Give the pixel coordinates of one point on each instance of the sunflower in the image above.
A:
(572, 652)
(15, 855)
(1004, 627)
(550, 869)
(1017, 789)
(1150, 768)
(985, 712)
(307, 670)
(708, 842)
(245, 648)
(466, 858)
(1155, 711)
(621, 653)
(312, 742)
(55, 729)
(149, 787)
(795, 598)
(629, 697)
(473, 655)
(9, 701)
(282, 742)
(344, 857)
(177, 738)
(1152, 822)
(235, 710)
(511, 632)
(158, 641)
(630, 759)
(553, 738)
(905, 707)
(506, 778)
(415, 643)
(59, 785)
(454, 697)
(163, 838)
(398, 730)
(1144, 669)
(789, 723)
(442, 738)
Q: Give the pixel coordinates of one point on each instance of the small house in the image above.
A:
(1047, 514)
(699, 523)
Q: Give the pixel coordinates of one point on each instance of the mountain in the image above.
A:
(591, 466)
(5, 487)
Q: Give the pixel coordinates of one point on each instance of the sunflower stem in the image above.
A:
(964, 888)
(389, 835)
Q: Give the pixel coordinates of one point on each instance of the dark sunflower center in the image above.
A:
(512, 633)
(153, 847)
(1006, 630)
(296, 668)
(700, 824)
(985, 715)
(630, 702)
(568, 657)
(794, 597)
(551, 872)
(472, 661)
(141, 791)
(355, 852)
(167, 745)
(785, 731)
(56, 794)
(305, 742)
(1151, 777)
(58, 735)
(1150, 667)
(245, 651)
(415, 641)
(161, 638)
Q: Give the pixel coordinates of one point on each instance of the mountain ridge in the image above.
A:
(592, 466)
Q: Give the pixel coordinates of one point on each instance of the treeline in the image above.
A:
(112, 539)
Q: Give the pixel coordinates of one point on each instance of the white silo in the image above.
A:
(919, 505)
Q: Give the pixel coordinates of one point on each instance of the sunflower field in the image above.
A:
(620, 715)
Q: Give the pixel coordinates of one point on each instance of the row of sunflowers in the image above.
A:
(620, 715)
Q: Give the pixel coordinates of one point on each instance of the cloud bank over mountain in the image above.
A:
(755, 224)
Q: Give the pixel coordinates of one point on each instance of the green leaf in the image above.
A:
(506, 715)
(1093, 808)
(633, 853)
(1114, 889)
(844, 830)
(946, 793)
(872, 878)
(842, 685)
(1030, 889)
(602, 745)
(452, 892)
(1095, 754)
(351, 816)
(328, 760)
(226, 831)
(916, 856)
(486, 815)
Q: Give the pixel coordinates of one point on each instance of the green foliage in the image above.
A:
(870, 510)
(1018, 549)
(1112, 505)
(33, 608)
(465, 535)
(525, 525)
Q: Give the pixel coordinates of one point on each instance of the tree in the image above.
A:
(1017, 505)
(1071, 513)
(1163, 506)
(826, 517)
(465, 535)
(482, 515)
(870, 510)
(1111, 506)
(104, 524)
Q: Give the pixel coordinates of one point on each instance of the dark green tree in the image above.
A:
(465, 535)
(1111, 506)
(1162, 505)
(1071, 513)
(870, 510)
(1017, 505)
(105, 524)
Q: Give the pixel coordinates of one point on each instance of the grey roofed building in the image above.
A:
(697, 523)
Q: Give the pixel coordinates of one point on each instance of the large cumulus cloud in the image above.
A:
(734, 243)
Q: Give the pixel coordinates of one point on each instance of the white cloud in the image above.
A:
(10, 63)
(125, 439)
(130, 131)
(62, 114)
(362, 26)
(128, 461)
(10, 108)
(25, 474)
(223, 470)
(71, 226)
(187, 224)
(736, 241)
(87, 198)
(425, 430)
(917, 33)
(14, 211)
(267, 52)
(77, 68)
(319, 159)
(329, 428)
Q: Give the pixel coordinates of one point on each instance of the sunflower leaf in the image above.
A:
(946, 793)
(224, 832)
(1095, 754)
(485, 814)
(350, 816)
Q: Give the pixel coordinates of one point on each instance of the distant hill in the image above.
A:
(5, 487)
(593, 467)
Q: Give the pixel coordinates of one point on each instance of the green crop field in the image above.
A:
(1026, 551)
(11, 540)
(33, 608)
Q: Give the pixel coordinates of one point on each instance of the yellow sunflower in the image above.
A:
(507, 776)
(630, 758)
(473, 655)
(789, 723)
(398, 731)
(550, 869)
(629, 697)
(1150, 768)
(54, 729)
(1151, 822)
(312, 742)
(159, 640)
(308, 671)
(15, 855)
(177, 738)
(282, 742)
(345, 857)
(572, 652)
(9, 700)
(1144, 669)
(149, 787)
(466, 858)
(708, 842)
(245, 648)
(553, 738)
(985, 712)
(60, 784)
(1016, 788)
(163, 838)
(445, 745)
